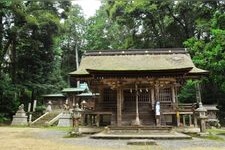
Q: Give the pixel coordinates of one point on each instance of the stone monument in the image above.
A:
(20, 118)
(65, 119)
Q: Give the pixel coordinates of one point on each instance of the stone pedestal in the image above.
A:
(65, 120)
(20, 118)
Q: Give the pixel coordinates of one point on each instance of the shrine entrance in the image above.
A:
(144, 106)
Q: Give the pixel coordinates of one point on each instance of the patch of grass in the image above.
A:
(217, 131)
(18, 126)
(212, 137)
(203, 148)
(59, 128)
(73, 136)
(223, 134)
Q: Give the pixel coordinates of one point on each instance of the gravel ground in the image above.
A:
(59, 136)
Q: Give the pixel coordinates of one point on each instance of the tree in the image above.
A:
(209, 54)
(161, 23)
(30, 56)
(72, 39)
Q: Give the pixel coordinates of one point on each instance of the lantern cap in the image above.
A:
(200, 108)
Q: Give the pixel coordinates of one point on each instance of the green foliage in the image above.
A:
(30, 53)
(40, 109)
(159, 23)
(8, 97)
(188, 92)
(72, 39)
(210, 55)
(102, 33)
(3, 118)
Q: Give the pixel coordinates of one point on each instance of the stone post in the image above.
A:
(29, 107)
(34, 105)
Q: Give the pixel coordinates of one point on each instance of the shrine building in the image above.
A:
(129, 83)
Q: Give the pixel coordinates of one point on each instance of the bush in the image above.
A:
(3, 119)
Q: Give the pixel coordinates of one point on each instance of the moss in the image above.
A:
(213, 137)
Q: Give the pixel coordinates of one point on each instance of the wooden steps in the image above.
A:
(146, 115)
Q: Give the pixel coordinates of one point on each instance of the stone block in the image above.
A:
(65, 120)
(142, 142)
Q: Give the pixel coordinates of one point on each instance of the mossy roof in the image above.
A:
(54, 95)
(82, 87)
(137, 62)
(88, 94)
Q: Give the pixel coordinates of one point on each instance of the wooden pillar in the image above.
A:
(184, 122)
(119, 106)
(122, 99)
(73, 101)
(178, 118)
(101, 90)
(173, 97)
(157, 99)
(173, 94)
(137, 120)
(157, 92)
(190, 120)
(97, 120)
(195, 121)
(89, 120)
(153, 98)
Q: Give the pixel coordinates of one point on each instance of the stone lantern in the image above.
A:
(77, 114)
(83, 104)
(201, 112)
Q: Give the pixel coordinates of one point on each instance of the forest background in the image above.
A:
(39, 39)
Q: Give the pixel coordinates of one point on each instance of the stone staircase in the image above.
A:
(45, 119)
(146, 114)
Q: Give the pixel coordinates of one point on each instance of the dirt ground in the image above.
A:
(13, 138)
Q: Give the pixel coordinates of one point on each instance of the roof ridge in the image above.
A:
(137, 51)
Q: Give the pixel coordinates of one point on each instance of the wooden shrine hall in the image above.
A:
(130, 83)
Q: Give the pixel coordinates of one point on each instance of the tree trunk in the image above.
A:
(14, 60)
(1, 39)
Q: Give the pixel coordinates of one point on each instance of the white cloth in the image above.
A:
(157, 109)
